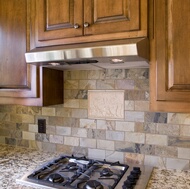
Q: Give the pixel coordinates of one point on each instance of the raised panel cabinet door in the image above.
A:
(58, 19)
(170, 65)
(112, 16)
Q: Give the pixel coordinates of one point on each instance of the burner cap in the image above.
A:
(55, 178)
(106, 172)
(71, 166)
(93, 184)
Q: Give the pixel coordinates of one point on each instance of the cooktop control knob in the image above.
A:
(137, 169)
(127, 185)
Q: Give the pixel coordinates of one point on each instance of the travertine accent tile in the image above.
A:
(71, 141)
(166, 151)
(124, 126)
(83, 103)
(133, 158)
(115, 135)
(50, 129)
(33, 128)
(156, 117)
(89, 143)
(184, 153)
(71, 103)
(96, 154)
(79, 113)
(141, 105)
(168, 129)
(79, 132)
(114, 156)
(105, 144)
(88, 123)
(185, 130)
(87, 84)
(48, 111)
(56, 139)
(135, 95)
(134, 116)
(106, 124)
(139, 127)
(126, 84)
(180, 164)
(157, 139)
(28, 135)
(71, 84)
(106, 104)
(135, 137)
(179, 118)
(55, 120)
(105, 84)
(129, 105)
(60, 130)
(63, 112)
(155, 161)
(27, 118)
(97, 134)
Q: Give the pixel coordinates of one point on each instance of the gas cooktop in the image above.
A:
(70, 172)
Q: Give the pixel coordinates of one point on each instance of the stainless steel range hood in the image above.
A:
(131, 53)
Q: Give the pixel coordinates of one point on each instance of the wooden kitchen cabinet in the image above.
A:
(21, 83)
(59, 22)
(170, 56)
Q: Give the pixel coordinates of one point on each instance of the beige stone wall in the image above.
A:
(91, 123)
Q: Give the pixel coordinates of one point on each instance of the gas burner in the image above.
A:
(55, 178)
(71, 166)
(93, 184)
(106, 172)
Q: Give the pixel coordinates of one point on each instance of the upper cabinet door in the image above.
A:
(111, 16)
(58, 19)
(170, 65)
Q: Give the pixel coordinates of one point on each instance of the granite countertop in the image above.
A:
(15, 162)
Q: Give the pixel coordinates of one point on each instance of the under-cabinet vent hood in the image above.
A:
(132, 53)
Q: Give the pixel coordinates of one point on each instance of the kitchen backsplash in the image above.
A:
(105, 115)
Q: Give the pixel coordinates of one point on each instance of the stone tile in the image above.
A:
(155, 117)
(179, 164)
(142, 73)
(155, 161)
(79, 132)
(10, 141)
(27, 118)
(178, 118)
(50, 129)
(21, 109)
(132, 158)
(168, 129)
(87, 84)
(42, 137)
(106, 104)
(145, 149)
(70, 93)
(123, 146)
(96, 74)
(150, 128)
(78, 74)
(79, 151)
(106, 124)
(79, 113)
(105, 144)
(126, 84)
(35, 145)
(56, 139)
(71, 103)
(97, 134)
(114, 156)
(157, 139)
(88, 123)
(166, 151)
(133, 95)
(70, 122)
(63, 112)
(2, 139)
(19, 126)
(55, 121)
(13, 118)
(71, 141)
(83, 103)
(139, 127)
(16, 134)
(115, 135)
(141, 84)
(82, 94)
(28, 135)
(68, 150)
(33, 128)
(129, 105)
(48, 111)
(5, 132)
(125, 126)
(96, 154)
(34, 110)
(89, 143)
(71, 84)
(141, 105)
(185, 130)
(60, 130)
(183, 142)
(8, 108)
(23, 143)
(134, 116)
(105, 84)
(184, 153)
(48, 147)
(135, 137)
(115, 73)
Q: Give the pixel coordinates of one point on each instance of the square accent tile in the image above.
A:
(106, 104)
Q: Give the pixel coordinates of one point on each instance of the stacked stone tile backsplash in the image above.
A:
(135, 134)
